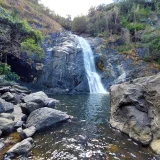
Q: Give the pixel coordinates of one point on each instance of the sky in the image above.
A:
(72, 7)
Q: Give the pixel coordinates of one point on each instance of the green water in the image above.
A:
(88, 135)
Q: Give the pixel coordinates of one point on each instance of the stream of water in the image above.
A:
(94, 80)
(88, 136)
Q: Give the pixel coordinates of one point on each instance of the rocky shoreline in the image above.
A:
(23, 113)
(135, 110)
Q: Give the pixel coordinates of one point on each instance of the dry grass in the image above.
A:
(34, 14)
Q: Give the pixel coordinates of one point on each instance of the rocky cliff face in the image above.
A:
(135, 110)
(11, 36)
(117, 68)
(63, 70)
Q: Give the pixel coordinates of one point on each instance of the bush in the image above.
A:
(31, 47)
(5, 69)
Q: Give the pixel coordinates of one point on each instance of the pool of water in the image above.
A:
(88, 135)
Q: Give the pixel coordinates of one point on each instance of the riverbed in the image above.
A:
(88, 135)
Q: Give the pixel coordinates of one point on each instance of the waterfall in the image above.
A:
(94, 80)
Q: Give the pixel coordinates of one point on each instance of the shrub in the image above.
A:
(5, 69)
(30, 46)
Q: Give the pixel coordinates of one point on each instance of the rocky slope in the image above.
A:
(24, 113)
(135, 110)
(117, 68)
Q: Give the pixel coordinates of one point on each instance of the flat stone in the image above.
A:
(45, 117)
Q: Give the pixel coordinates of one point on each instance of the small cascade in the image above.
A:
(94, 80)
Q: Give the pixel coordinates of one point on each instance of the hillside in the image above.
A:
(125, 26)
(38, 16)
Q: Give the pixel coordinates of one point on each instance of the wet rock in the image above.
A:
(51, 103)
(5, 106)
(45, 117)
(6, 125)
(155, 145)
(135, 108)
(21, 148)
(28, 132)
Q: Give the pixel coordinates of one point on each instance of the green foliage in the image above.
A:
(135, 26)
(5, 69)
(151, 41)
(12, 19)
(30, 46)
(79, 24)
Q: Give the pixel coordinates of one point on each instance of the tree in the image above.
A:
(79, 24)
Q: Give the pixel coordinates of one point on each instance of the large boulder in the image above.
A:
(5, 106)
(21, 148)
(6, 125)
(64, 70)
(45, 117)
(37, 97)
(37, 100)
(135, 108)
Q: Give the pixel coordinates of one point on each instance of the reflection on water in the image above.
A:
(88, 135)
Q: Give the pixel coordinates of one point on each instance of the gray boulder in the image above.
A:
(135, 108)
(37, 100)
(6, 125)
(38, 97)
(7, 115)
(21, 148)
(5, 106)
(8, 97)
(45, 117)
(28, 132)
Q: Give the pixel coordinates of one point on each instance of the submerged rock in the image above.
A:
(45, 117)
(21, 148)
(135, 108)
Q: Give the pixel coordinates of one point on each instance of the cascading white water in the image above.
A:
(95, 84)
